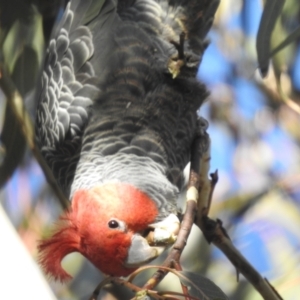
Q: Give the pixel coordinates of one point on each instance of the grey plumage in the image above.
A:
(109, 109)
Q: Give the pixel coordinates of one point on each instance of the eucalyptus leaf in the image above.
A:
(202, 287)
(22, 53)
(287, 41)
(271, 12)
(23, 34)
(14, 144)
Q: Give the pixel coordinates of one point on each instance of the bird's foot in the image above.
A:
(176, 62)
(165, 232)
(148, 246)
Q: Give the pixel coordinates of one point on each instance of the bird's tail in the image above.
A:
(190, 20)
(193, 17)
(180, 23)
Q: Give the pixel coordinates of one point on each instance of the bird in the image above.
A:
(116, 118)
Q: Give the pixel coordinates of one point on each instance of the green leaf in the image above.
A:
(201, 287)
(271, 12)
(22, 54)
(14, 145)
(23, 51)
(288, 40)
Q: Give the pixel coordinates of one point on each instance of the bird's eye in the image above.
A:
(113, 224)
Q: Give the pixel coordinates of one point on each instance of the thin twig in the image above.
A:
(185, 290)
(140, 292)
(22, 117)
(216, 234)
(177, 273)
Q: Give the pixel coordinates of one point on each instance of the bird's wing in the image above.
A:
(99, 42)
(177, 31)
(69, 85)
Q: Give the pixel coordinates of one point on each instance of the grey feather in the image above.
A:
(62, 46)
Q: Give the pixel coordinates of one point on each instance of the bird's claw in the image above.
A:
(176, 62)
(165, 232)
(142, 295)
(163, 236)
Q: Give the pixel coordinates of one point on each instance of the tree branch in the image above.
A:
(215, 233)
(199, 161)
(213, 230)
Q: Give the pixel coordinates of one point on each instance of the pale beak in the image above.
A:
(140, 252)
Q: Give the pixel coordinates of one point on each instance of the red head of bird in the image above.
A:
(103, 224)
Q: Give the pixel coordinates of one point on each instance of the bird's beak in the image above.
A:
(140, 252)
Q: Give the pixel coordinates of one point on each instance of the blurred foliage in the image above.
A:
(254, 128)
(21, 41)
